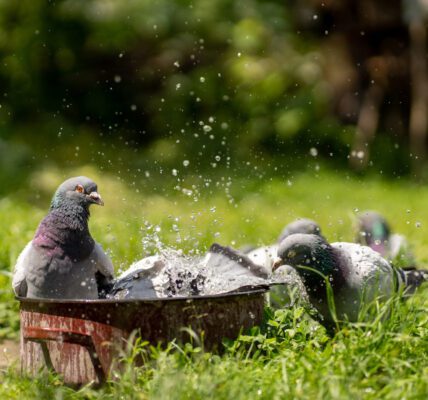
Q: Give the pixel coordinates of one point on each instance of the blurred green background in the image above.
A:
(214, 84)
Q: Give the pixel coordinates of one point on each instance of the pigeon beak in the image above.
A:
(276, 264)
(96, 198)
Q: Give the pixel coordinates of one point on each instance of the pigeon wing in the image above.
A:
(227, 260)
(102, 261)
(38, 272)
(104, 271)
(19, 281)
(369, 272)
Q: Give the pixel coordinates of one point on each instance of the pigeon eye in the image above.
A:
(79, 189)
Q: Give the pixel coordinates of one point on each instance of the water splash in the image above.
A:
(170, 273)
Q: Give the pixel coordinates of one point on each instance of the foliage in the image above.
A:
(290, 355)
(199, 80)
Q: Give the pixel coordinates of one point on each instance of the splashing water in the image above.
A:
(170, 273)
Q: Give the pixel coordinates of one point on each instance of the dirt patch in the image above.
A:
(9, 353)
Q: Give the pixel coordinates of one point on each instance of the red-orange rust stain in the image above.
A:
(70, 360)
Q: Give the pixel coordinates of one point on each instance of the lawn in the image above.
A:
(290, 356)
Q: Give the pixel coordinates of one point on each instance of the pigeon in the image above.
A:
(301, 225)
(357, 275)
(266, 255)
(170, 274)
(63, 261)
(284, 279)
(375, 232)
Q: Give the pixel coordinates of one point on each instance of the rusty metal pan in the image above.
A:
(79, 338)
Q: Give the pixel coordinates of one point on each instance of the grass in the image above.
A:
(290, 356)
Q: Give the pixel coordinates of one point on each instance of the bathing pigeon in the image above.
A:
(63, 261)
(285, 278)
(375, 232)
(301, 225)
(357, 274)
(266, 255)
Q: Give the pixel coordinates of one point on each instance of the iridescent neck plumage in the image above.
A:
(321, 263)
(66, 228)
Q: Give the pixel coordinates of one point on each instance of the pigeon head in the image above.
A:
(78, 191)
(373, 231)
(301, 225)
(307, 251)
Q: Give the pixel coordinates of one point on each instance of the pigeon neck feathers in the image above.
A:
(323, 262)
(313, 258)
(66, 228)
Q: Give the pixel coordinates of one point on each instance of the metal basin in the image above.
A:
(79, 339)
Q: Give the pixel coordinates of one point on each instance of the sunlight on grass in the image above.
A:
(290, 356)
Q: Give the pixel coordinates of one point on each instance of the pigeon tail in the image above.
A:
(414, 278)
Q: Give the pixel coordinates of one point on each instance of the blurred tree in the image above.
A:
(214, 79)
(227, 77)
(384, 87)
(415, 13)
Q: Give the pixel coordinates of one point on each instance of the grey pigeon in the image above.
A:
(63, 261)
(300, 225)
(285, 274)
(284, 279)
(267, 255)
(374, 231)
(357, 274)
